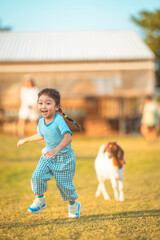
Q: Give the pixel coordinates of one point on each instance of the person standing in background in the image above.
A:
(28, 108)
(150, 119)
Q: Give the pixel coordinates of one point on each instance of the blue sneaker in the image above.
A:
(37, 205)
(74, 210)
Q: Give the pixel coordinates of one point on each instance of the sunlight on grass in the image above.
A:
(137, 218)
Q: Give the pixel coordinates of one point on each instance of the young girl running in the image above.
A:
(58, 160)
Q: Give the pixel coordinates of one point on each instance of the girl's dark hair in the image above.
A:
(53, 93)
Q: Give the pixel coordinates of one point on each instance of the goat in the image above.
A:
(109, 164)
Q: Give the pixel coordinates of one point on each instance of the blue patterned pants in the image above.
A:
(62, 167)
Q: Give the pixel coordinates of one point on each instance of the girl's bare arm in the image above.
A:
(34, 138)
(65, 142)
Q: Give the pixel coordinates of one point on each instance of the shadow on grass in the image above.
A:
(130, 214)
(83, 219)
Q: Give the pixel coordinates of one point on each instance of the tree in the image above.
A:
(5, 28)
(149, 22)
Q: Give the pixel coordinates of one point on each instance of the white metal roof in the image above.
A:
(72, 46)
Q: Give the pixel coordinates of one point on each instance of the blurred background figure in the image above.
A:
(28, 109)
(149, 120)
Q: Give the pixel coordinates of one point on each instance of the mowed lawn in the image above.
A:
(136, 218)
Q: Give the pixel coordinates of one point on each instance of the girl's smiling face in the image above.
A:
(47, 107)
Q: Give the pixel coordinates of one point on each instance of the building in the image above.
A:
(102, 75)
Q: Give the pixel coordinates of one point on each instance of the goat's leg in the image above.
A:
(101, 188)
(121, 192)
(115, 188)
(98, 192)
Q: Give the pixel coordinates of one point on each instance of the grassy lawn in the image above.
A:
(136, 218)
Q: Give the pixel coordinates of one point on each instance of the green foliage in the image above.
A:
(136, 218)
(150, 24)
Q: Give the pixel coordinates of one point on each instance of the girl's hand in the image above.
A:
(21, 142)
(51, 153)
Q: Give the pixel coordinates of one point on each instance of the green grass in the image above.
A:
(136, 218)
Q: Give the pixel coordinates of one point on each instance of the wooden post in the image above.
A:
(122, 122)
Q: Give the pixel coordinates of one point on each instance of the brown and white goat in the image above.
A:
(109, 164)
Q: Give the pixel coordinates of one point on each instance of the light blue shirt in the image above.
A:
(53, 133)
